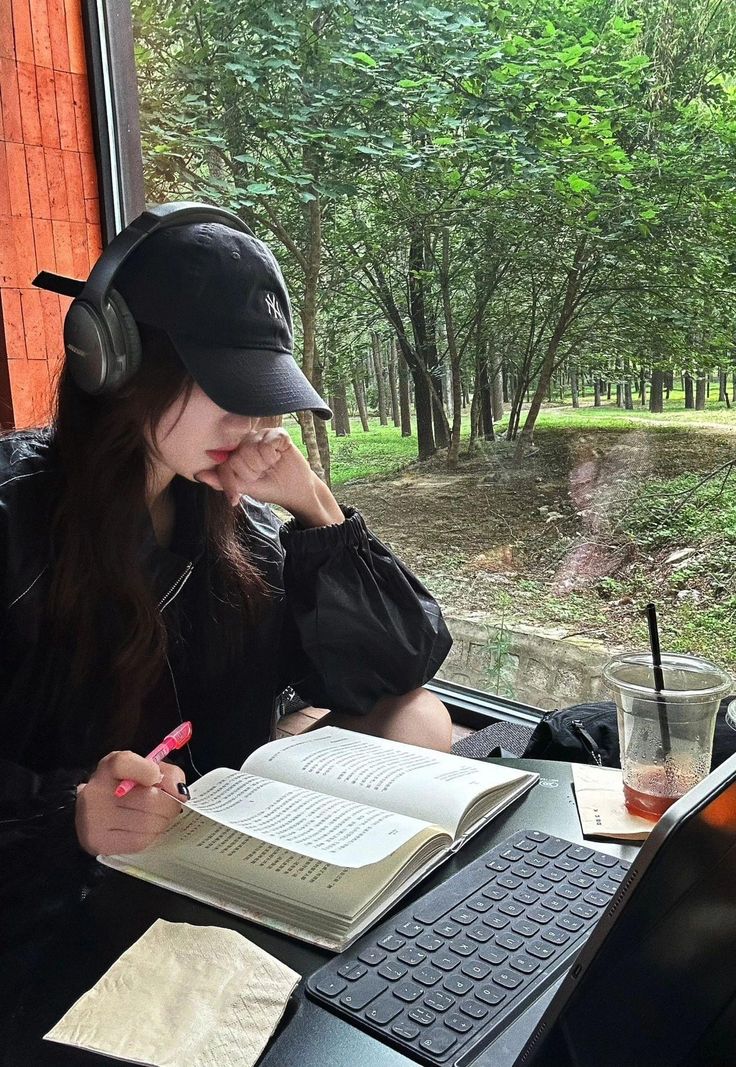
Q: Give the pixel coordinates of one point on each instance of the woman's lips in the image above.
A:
(219, 455)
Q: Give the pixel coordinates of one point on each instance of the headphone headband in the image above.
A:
(101, 337)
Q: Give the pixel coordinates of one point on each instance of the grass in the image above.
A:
(380, 452)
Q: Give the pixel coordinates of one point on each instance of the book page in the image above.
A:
(242, 873)
(435, 787)
(317, 825)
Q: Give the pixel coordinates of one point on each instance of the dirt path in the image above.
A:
(534, 541)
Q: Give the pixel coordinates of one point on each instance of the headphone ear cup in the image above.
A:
(127, 342)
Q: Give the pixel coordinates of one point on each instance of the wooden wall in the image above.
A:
(49, 206)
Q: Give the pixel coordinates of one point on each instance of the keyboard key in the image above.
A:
(565, 864)
(580, 852)
(438, 1001)
(473, 1009)
(539, 885)
(510, 907)
(539, 915)
(507, 980)
(553, 875)
(525, 896)
(599, 899)
(428, 942)
(568, 892)
(537, 836)
(406, 1030)
(607, 887)
(409, 929)
(463, 916)
(458, 1022)
(499, 865)
(360, 996)
(583, 881)
(570, 922)
(523, 964)
(352, 971)
(331, 986)
(536, 861)
(456, 984)
(383, 1011)
(496, 922)
(421, 1015)
(495, 893)
(372, 956)
(617, 875)
(479, 904)
(511, 854)
(508, 881)
(479, 933)
(604, 860)
(475, 969)
(446, 961)
(593, 870)
(542, 952)
(412, 956)
(585, 911)
(392, 942)
(521, 870)
(407, 992)
(553, 904)
(462, 946)
(525, 846)
(509, 941)
(437, 1041)
(552, 848)
(555, 937)
(525, 928)
(489, 995)
(427, 975)
(493, 954)
(391, 970)
(446, 928)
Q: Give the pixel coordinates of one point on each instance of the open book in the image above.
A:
(318, 835)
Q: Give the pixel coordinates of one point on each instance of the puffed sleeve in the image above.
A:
(359, 625)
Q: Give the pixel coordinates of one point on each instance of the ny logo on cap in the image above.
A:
(274, 309)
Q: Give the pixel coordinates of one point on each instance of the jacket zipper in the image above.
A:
(587, 741)
(176, 587)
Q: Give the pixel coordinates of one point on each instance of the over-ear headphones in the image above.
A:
(101, 338)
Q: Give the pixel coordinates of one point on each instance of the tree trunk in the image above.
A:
(628, 398)
(642, 388)
(439, 418)
(689, 394)
(700, 391)
(393, 384)
(596, 392)
(380, 380)
(656, 392)
(423, 408)
(340, 408)
(320, 428)
(313, 219)
(453, 450)
(574, 386)
(495, 376)
(485, 399)
(723, 388)
(359, 390)
(404, 402)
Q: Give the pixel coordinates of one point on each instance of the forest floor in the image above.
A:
(581, 534)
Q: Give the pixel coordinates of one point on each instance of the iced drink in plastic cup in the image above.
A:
(666, 737)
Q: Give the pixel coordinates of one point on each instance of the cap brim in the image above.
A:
(250, 381)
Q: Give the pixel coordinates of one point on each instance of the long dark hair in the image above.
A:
(99, 590)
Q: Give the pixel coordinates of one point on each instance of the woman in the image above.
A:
(145, 581)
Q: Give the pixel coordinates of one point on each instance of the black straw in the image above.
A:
(664, 728)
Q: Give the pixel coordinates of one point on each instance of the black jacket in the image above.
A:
(345, 624)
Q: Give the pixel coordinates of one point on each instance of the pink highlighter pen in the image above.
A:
(176, 739)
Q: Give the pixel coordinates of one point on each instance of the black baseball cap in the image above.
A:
(220, 296)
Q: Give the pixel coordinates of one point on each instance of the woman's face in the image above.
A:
(193, 435)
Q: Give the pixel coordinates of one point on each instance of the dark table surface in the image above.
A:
(40, 981)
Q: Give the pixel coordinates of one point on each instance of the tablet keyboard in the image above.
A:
(456, 966)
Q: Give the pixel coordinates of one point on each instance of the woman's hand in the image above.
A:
(108, 824)
(267, 466)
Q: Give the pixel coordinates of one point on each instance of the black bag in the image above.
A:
(588, 733)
